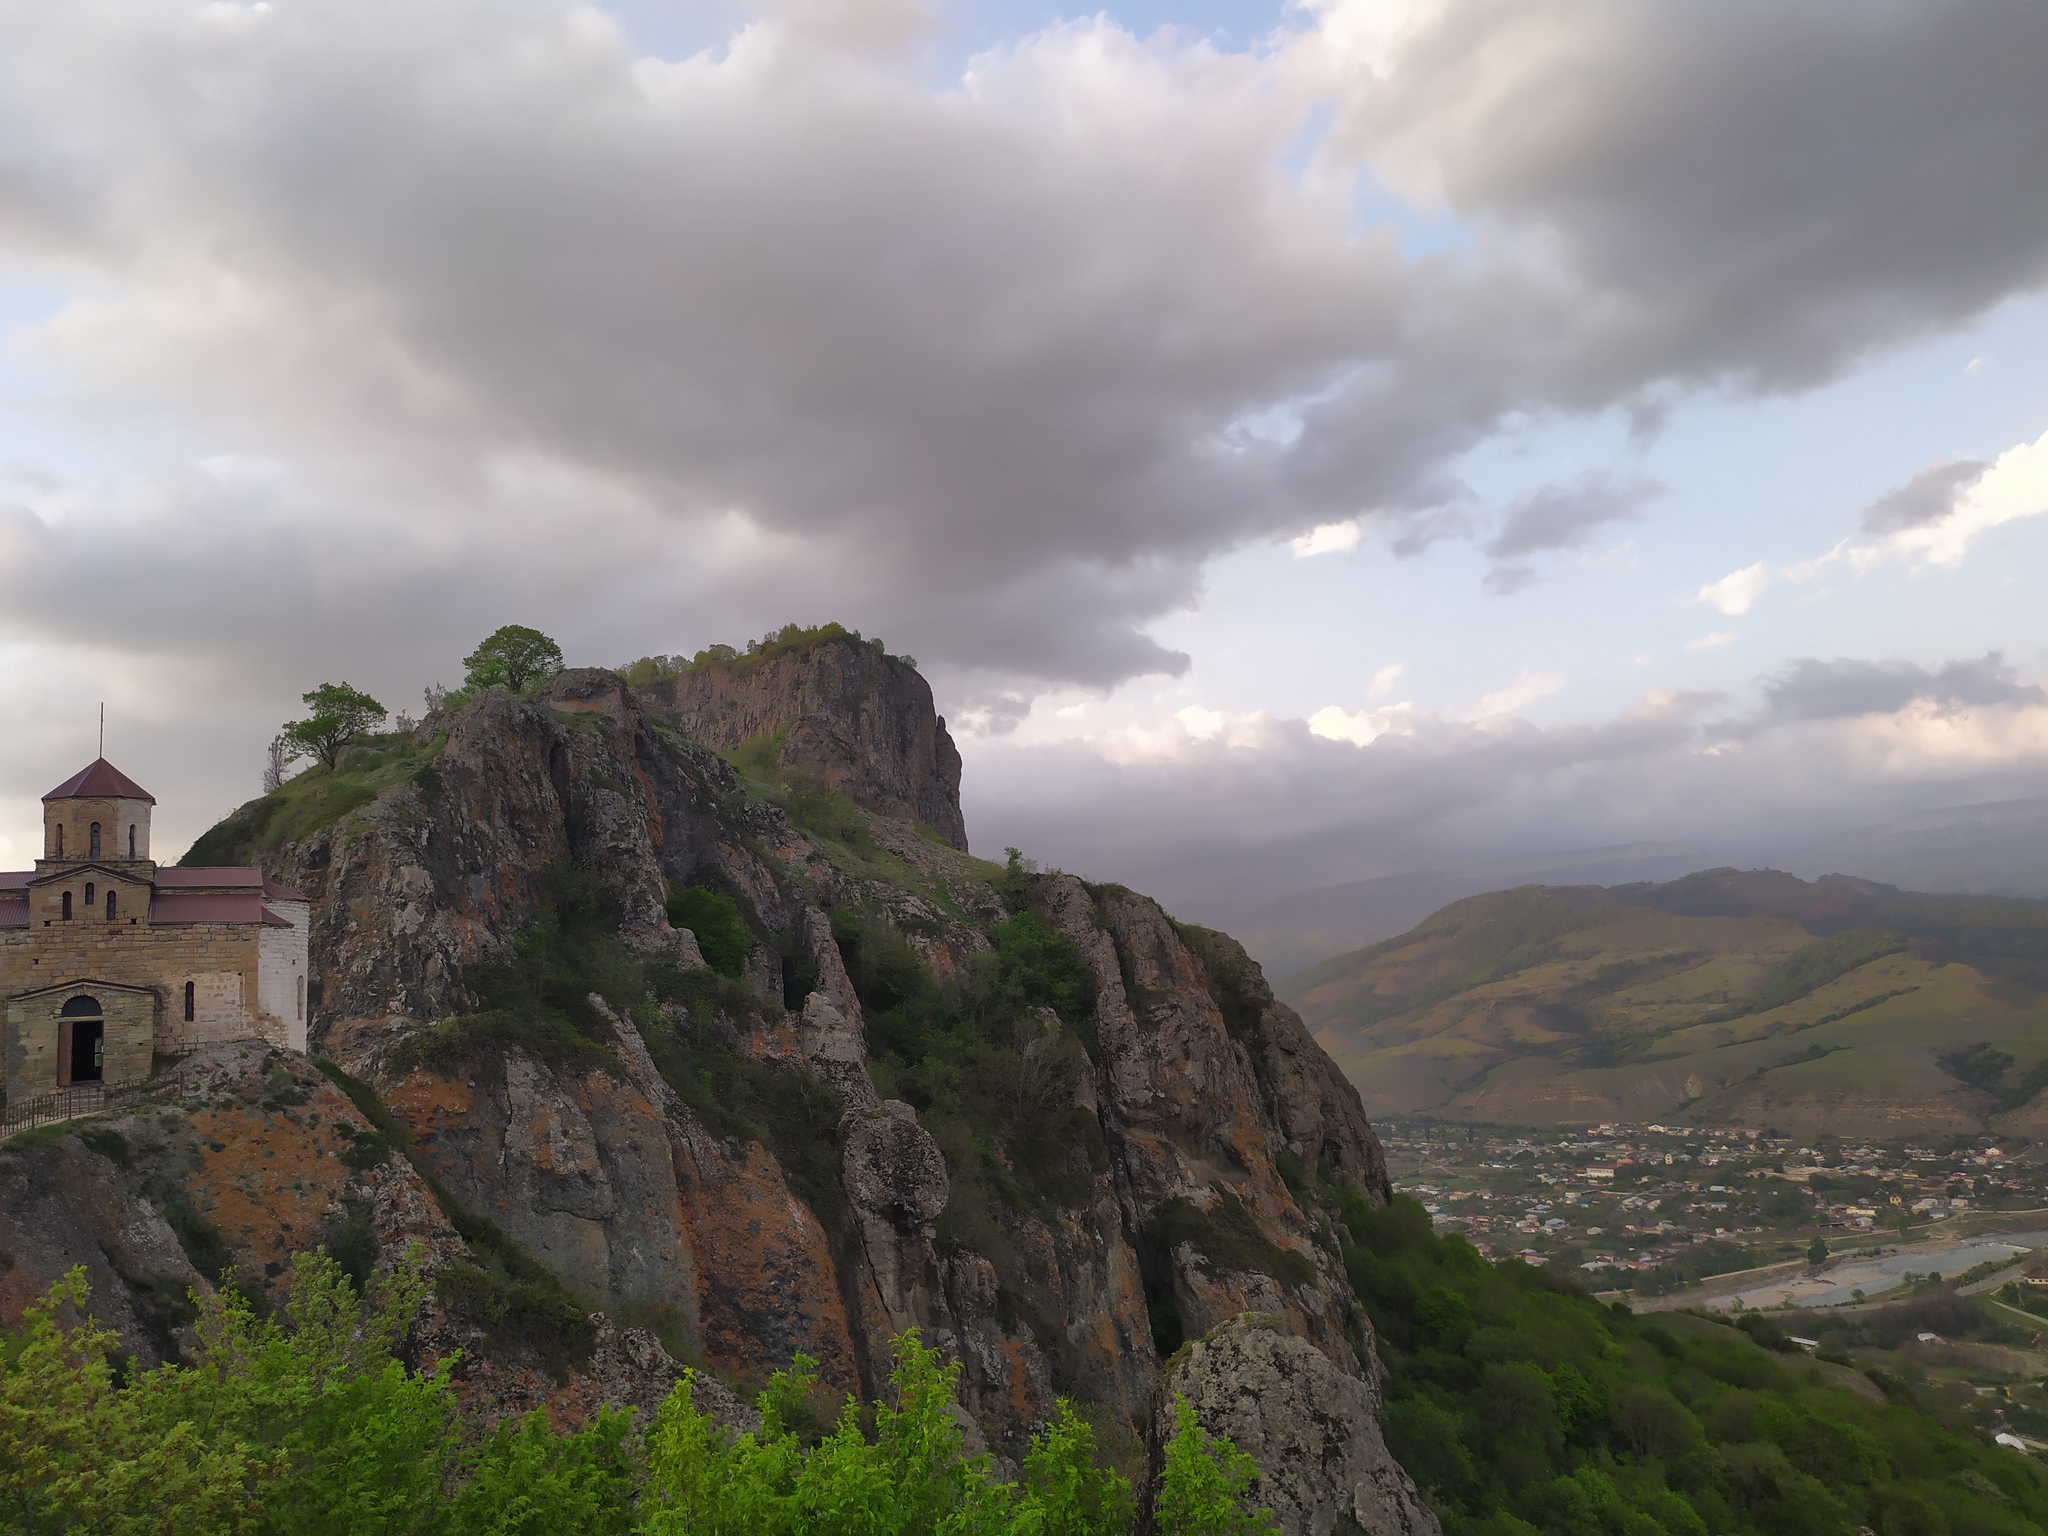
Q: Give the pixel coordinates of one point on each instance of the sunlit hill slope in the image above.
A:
(1727, 996)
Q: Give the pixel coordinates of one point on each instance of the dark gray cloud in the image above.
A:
(1556, 517)
(1926, 498)
(1760, 191)
(1843, 689)
(792, 333)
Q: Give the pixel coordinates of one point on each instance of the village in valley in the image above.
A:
(1652, 1211)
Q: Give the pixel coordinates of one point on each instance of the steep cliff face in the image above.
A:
(1042, 1122)
(839, 708)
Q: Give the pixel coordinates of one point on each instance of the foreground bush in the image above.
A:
(308, 1423)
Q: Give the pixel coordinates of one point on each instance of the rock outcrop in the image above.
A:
(837, 707)
(1312, 1429)
(737, 1169)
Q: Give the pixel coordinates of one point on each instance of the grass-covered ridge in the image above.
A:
(1750, 997)
(790, 640)
(316, 799)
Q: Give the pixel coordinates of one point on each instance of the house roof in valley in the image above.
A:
(100, 780)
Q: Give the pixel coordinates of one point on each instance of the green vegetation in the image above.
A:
(1520, 1403)
(785, 1107)
(339, 717)
(993, 1059)
(538, 999)
(519, 1302)
(1813, 966)
(309, 1423)
(714, 917)
(513, 657)
(1226, 1236)
(318, 798)
(790, 639)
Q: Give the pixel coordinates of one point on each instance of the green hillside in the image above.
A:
(1745, 997)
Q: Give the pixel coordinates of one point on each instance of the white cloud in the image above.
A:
(1362, 727)
(1711, 642)
(1736, 593)
(1519, 694)
(1202, 724)
(1327, 539)
(1383, 681)
(2015, 486)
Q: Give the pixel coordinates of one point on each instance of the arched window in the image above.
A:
(81, 1007)
(67, 906)
(299, 1007)
(93, 838)
(131, 840)
(88, 893)
(110, 903)
(189, 989)
(60, 842)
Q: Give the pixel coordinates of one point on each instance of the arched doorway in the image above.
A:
(81, 1041)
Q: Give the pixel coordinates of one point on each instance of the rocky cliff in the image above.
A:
(1038, 1120)
(831, 704)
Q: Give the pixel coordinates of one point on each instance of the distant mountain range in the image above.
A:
(1728, 996)
(1997, 849)
(2000, 849)
(1292, 932)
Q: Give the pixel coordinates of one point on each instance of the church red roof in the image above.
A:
(100, 781)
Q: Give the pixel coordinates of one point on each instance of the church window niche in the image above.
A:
(88, 893)
(131, 840)
(60, 842)
(67, 906)
(93, 842)
(110, 904)
(299, 1007)
(189, 1000)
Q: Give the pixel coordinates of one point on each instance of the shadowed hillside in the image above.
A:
(1752, 997)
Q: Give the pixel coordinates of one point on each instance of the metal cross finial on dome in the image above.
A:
(103, 728)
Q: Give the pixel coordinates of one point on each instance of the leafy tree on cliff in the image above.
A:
(513, 657)
(339, 715)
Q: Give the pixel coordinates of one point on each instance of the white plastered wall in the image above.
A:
(281, 976)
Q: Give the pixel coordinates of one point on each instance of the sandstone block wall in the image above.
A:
(35, 1028)
(115, 818)
(222, 961)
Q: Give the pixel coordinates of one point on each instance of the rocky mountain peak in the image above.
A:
(828, 703)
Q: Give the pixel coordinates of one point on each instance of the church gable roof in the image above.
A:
(100, 780)
(217, 877)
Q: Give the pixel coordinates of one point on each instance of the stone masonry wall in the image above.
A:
(34, 1025)
(222, 961)
(115, 818)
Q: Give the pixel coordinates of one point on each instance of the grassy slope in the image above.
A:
(1759, 999)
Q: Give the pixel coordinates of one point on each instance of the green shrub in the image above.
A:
(1226, 1237)
(714, 917)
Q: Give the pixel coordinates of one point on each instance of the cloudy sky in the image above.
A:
(1301, 442)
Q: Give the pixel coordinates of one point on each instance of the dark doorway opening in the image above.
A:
(88, 1050)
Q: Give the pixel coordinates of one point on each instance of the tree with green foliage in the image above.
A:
(513, 657)
(338, 716)
(1206, 1483)
(1534, 1407)
(1817, 1252)
(714, 918)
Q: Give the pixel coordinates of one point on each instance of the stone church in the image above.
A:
(105, 958)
